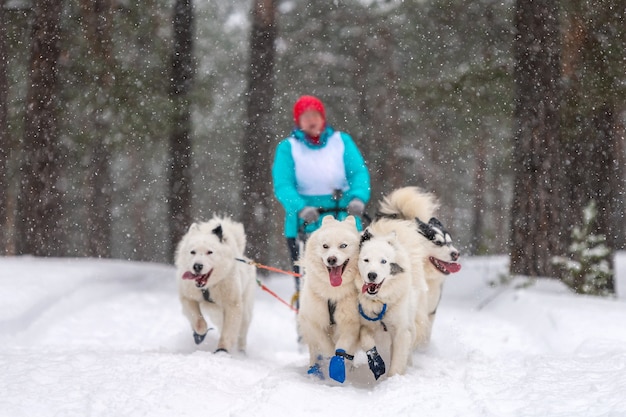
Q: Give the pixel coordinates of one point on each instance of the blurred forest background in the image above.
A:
(146, 90)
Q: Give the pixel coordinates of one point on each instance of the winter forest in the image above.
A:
(122, 121)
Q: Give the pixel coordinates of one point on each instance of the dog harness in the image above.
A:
(207, 296)
(331, 311)
(377, 318)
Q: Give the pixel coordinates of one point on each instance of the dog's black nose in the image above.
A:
(455, 255)
(332, 260)
(197, 268)
(372, 276)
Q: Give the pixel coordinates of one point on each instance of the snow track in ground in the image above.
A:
(107, 338)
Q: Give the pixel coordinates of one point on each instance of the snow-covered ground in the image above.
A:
(85, 337)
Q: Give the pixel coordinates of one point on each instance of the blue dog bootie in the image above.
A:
(337, 366)
(315, 369)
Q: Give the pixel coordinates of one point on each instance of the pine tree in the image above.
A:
(588, 268)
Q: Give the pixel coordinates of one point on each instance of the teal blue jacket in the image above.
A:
(286, 186)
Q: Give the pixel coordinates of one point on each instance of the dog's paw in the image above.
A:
(221, 350)
(198, 338)
(315, 371)
(375, 362)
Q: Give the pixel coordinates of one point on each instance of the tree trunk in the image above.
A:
(593, 146)
(375, 80)
(393, 170)
(182, 72)
(536, 195)
(4, 135)
(477, 243)
(259, 136)
(39, 200)
(97, 21)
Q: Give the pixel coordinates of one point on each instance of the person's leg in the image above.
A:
(294, 252)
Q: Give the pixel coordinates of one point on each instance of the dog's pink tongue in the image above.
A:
(188, 275)
(366, 287)
(335, 276)
(453, 267)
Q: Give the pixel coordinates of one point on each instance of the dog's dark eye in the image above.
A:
(384, 261)
(366, 260)
(193, 252)
(343, 246)
(325, 246)
(209, 252)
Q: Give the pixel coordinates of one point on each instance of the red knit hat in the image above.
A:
(305, 103)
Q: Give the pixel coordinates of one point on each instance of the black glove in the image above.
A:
(309, 214)
(356, 207)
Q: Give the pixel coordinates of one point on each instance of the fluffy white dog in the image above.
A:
(403, 263)
(393, 294)
(210, 279)
(328, 318)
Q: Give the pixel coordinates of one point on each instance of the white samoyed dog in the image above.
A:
(328, 318)
(212, 280)
(440, 256)
(393, 294)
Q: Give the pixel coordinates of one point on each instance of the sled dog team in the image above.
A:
(376, 290)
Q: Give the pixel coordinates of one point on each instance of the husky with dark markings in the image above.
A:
(440, 259)
(403, 262)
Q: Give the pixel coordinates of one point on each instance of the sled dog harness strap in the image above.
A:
(207, 296)
(331, 311)
(377, 318)
(269, 268)
(263, 286)
(343, 354)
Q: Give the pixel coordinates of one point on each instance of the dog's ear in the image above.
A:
(396, 269)
(392, 238)
(194, 226)
(327, 220)
(365, 236)
(219, 232)
(436, 223)
(350, 220)
(425, 229)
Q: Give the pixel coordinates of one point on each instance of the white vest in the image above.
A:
(320, 171)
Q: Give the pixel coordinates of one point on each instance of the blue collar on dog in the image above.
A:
(379, 317)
